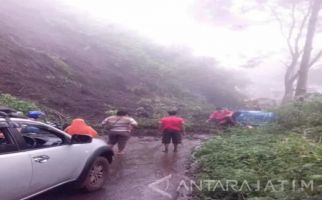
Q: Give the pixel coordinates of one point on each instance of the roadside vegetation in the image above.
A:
(24, 106)
(276, 161)
(18, 104)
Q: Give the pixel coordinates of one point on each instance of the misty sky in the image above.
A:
(234, 40)
(173, 22)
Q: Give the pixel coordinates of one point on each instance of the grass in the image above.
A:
(18, 104)
(289, 151)
(255, 155)
(26, 105)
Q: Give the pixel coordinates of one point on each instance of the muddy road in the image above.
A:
(143, 173)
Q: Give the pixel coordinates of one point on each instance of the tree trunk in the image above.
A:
(301, 87)
(288, 93)
(290, 78)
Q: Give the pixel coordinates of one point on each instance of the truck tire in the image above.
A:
(96, 175)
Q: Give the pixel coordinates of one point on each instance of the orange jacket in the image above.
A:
(79, 126)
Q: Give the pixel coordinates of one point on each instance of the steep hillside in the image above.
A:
(77, 66)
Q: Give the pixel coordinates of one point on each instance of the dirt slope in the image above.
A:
(44, 59)
(77, 66)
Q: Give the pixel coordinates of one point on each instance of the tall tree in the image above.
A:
(298, 20)
(305, 65)
(299, 31)
(292, 28)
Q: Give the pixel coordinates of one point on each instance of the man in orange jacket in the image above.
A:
(79, 126)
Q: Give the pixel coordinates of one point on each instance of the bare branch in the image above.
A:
(293, 23)
(316, 58)
(300, 33)
(280, 22)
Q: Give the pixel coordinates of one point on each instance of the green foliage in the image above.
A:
(60, 64)
(148, 123)
(18, 104)
(289, 150)
(111, 112)
(26, 105)
(254, 155)
(301, 114)
(158, 106)
(194, 111)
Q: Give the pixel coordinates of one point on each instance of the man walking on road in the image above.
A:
(119, 129)
(172, 127)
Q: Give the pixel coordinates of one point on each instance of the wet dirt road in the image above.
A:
(143, 173)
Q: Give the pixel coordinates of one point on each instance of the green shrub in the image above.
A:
(288, 150)
(300, 114)
(254, 155)
(24, 106)
(148, 123)
(18, 104)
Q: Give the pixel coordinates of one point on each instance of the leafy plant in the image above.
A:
(254, 156)
(289, 150)
(24, 106)
(301, 114)
(18, 104)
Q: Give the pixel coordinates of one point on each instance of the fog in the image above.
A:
(238, 34)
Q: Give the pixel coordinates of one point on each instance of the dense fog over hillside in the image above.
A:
(72, 62)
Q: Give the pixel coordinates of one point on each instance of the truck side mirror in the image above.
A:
(81, 139)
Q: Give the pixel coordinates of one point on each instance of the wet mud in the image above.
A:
(144, 172)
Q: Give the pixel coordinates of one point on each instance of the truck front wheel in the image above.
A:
(97, 175)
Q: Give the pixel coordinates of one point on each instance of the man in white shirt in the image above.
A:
(119, 128)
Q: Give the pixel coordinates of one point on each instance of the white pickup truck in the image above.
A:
(36, 157)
